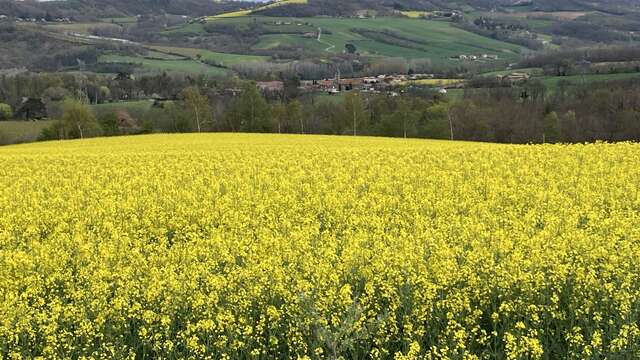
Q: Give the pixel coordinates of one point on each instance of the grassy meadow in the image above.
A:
(438, 40)
(12, 132)
(135, 108)
(162, 65)
(404, 37)
(552, 82)
(239, 246)
(223, 59)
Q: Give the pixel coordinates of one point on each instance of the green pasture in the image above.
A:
(531, 71)
(121, 20)
(175, 66)
(438, 40)
(554, 81)
(135, 108)
(12, 132)
(222, 59)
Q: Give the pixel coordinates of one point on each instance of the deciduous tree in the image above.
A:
(78, 119)
(6, 112)
(198, 106)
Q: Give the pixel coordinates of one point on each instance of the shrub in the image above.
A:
(6, 112)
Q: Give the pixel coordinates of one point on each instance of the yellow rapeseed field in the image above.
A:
(302, 247)
(247, 12)
(416, 14)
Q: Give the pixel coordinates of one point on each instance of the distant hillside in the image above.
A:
(545, 5)
(109, 8)
(340, 7)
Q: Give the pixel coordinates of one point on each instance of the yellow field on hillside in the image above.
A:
(226, 246)
(441, 82)
(415, 14)
(247, 12)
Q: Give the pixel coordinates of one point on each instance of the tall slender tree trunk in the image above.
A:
(355, 131)
(253, 116)
(404, 126)
(197, 117)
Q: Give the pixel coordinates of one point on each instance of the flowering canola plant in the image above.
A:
(264, 246)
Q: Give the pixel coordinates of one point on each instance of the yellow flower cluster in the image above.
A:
(264, 246)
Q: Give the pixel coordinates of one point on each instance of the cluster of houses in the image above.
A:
(476, 57)
(297, 23)
(453, 14)
(338, 84)
(270, 86)
(380, 83)
(36, 20)
(514, 77)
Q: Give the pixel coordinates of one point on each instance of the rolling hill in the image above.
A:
(84, 8)
(103, 8)
(338, 7)
(392, 37)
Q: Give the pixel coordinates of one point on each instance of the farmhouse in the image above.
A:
(32, 109)
(351, 84)
(489, 57)
(514, 77)
(326, 84)
(309, 85)
(476, 57)
(271, 86)
(421, 76)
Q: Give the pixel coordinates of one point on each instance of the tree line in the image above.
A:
(580, 60)
(203, 110)
(579, 113)
(568, 113)
(529, 112)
